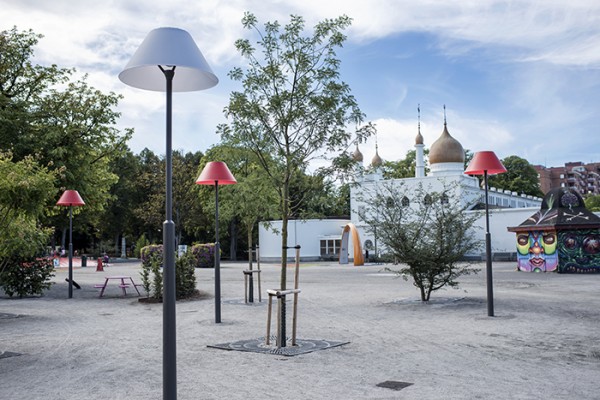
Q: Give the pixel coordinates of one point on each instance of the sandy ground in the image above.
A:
(543, 343)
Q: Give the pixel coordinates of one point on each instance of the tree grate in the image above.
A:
(303, 346)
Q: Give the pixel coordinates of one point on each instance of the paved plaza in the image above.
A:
(543, 343)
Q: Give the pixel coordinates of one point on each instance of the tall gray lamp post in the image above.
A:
(169, 60)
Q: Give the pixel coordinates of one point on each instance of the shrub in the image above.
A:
(27, 278)
(151, 275)
(204, 255)
(139, 245)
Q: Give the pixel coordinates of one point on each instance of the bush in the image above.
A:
(151, 275)
(27, 278)
(204, 255)
(139, 245)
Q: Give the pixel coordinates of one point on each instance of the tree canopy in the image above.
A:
(520, 177)
(293, 107)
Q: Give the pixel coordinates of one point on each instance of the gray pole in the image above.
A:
(488, 251)
(169, 331)
(70, 251)
(217, 259)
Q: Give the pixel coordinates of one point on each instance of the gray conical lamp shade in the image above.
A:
(168, 47)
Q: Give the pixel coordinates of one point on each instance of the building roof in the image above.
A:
(562, 208)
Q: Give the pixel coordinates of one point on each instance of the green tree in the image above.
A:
(592, 203)
(293, 107)
(249, 201)
(520, 177)
(431, 234)
(404, 168)
(66, 123)
(25, 188)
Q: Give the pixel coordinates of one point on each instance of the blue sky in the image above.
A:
(517, 77)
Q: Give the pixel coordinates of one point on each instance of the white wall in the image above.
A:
(307, 234)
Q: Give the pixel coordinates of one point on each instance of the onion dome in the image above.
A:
(446, 149)
(419, 138)
(376, 161)
(357, 155)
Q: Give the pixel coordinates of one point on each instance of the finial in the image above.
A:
(444, 114)
(419, 116)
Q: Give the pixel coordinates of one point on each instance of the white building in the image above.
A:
(321, 239)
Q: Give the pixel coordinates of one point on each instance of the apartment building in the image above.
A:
(584, 178)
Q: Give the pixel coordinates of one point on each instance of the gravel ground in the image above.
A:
(543, 343)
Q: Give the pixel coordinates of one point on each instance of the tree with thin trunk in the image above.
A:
(293, 107)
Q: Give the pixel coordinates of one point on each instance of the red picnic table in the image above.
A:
(123, 284)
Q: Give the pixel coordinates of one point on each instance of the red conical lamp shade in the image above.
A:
(485, 161)
(70, 198)
(216, 171)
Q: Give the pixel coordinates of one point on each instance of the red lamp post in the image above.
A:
(486, 163)
(216, 173)
(70, 198)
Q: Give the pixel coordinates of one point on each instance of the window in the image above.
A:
(405, 202)
(445, 199)
(562, 176)
(427, 200)
(330, 247)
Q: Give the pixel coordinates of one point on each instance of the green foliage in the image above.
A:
(185, 275)
(139, 244)
(293, 106)
(24, 190)
(520, 177)
(67, 126)
(404, 168)
(592, 203)
(27, 278)
(431, 235)
(152, 278)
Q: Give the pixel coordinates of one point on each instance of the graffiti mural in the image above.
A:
(562, 236)
(536, 251)
(579, 251)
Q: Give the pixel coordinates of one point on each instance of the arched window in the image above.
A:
(445, 199)
(427, 200)
(405, 202)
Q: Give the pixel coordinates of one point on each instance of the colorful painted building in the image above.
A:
(563, 236)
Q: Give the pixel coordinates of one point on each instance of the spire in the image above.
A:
(419, 162)
(444, 115)
(376, 161)
(419, 138)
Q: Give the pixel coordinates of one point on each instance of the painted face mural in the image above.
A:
(579, 251)
(536, 251)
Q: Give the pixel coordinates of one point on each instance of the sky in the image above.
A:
(517, 77)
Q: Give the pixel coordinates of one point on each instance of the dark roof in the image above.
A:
(562, 208)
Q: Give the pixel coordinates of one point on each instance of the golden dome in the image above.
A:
(357, 155)
(446, 149)
(419, 138)
(376, 161)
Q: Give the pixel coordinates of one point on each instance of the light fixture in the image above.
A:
(70, 198)
(168, 60)
(216, 173)
(486, 163)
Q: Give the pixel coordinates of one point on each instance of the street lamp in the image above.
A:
(216, 173)
(153, 67)
(70, 198)
(486, 163)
